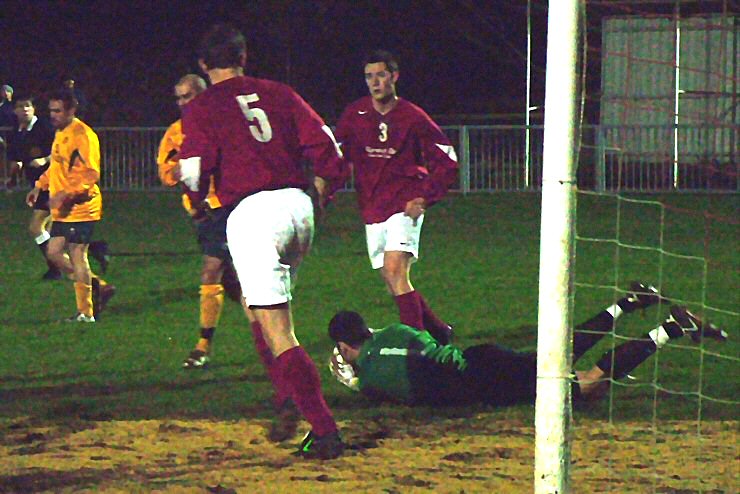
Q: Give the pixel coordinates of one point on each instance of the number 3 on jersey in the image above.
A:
(383, 128)
(262, 132)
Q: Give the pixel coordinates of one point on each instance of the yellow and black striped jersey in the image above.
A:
(75, 169)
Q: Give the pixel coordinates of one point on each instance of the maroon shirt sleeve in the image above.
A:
(198, 144)
(439, 157)
(343, 135)
(319, 146)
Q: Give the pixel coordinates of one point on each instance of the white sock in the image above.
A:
(659, 336)
(615, 310)
(43, 237)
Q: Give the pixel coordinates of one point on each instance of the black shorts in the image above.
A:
(493, 375)
(79, 232)
(42, 201)
(212, 234)
(499, 376)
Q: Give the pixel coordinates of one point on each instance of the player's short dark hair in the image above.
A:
(348, 327)
(222, 46)
(23, 98)
(377, 56)
(67, 97)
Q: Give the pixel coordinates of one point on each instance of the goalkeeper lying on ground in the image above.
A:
(400, 363)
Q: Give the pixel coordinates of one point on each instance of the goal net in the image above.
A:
(658, 129)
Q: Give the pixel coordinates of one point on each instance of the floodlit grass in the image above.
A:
(478, 269)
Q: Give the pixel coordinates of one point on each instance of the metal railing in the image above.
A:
(660, 158)
(495, 158)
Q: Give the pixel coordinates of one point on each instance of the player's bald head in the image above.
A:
(188, 87)
(194, 81)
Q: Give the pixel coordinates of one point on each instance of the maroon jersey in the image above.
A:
(252, 135)
(396, 157)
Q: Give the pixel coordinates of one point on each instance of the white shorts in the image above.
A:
(397, 233)
(269, 233)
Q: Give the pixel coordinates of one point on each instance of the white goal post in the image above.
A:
(553, 406)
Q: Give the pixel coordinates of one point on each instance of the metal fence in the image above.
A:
(647, 158)
(655, 157)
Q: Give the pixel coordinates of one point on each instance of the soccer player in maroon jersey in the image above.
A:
(252, 135)
(403, 163)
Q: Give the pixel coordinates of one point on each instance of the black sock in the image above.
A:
(589, 333)
(626, 357)
(631, 354)
(627, 305)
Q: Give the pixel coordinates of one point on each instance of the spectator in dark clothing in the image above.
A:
(29, 147)
(7, 117)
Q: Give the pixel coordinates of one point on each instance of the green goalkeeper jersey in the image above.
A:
(399, 362)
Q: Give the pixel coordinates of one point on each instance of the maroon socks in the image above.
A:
(268, 360)
(300, 375)
(409, 309)
(415, 312)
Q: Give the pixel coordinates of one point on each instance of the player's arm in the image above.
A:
(198, 155)
(343, 135)
(39, 162)
(439, 156)
(320, 147)
(41, 184)
(168, 157)
(42, 139)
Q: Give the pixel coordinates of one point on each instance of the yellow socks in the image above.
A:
(211, 303)
(83, 296)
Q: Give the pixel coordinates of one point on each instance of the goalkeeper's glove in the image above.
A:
(343, 371)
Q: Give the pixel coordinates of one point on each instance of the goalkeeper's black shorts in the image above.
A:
(499, 376)
(493, 375)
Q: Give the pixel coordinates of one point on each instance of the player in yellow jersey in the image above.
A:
(217, 274)
(75, 203)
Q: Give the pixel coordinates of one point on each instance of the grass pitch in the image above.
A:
(478, 269)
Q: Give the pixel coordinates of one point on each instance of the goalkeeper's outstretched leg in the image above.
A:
(404, 364)
(617, 363)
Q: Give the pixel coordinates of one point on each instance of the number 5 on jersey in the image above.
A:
(262, 132)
